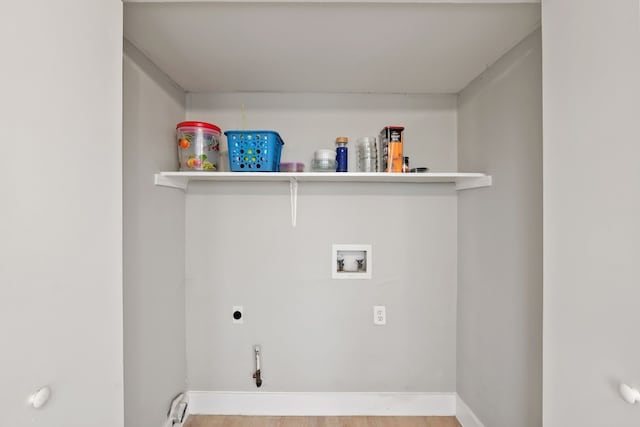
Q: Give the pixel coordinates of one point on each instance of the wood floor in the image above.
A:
(244, 421)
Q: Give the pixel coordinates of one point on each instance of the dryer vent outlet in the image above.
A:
(237, 315)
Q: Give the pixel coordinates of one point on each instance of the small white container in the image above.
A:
(324, 154)
(324, 161)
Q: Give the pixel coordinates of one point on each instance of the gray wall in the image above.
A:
(310, 121)
(61, 216)
(154, 317)
(591, 211)
(499, 331)
(317, 333)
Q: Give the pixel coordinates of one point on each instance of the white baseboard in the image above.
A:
(321, 404)
(465, 415)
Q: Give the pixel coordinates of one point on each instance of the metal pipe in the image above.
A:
(256, 375)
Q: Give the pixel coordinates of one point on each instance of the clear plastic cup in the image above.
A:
(367, 154)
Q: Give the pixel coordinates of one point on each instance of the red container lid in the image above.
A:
(197, 125)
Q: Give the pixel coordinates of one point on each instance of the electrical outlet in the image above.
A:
(379, 315)
(237, 314)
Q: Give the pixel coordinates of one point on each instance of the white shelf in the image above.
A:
(462, 181)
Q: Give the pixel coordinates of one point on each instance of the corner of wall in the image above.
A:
(499, 306)
(465, 415)
(153, 72)
(153, 243)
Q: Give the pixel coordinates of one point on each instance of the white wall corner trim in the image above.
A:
(321, 403)
(465, 415)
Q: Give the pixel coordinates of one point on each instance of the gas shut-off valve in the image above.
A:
(256, 375)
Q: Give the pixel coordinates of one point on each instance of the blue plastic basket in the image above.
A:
(254, 150)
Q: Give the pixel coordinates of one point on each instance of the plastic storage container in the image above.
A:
(198, 146)
(254, 150)
(292, 167)
(324, 161)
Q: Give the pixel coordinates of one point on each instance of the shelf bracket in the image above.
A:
(293, 190)
(476, 182)
(171, 181)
